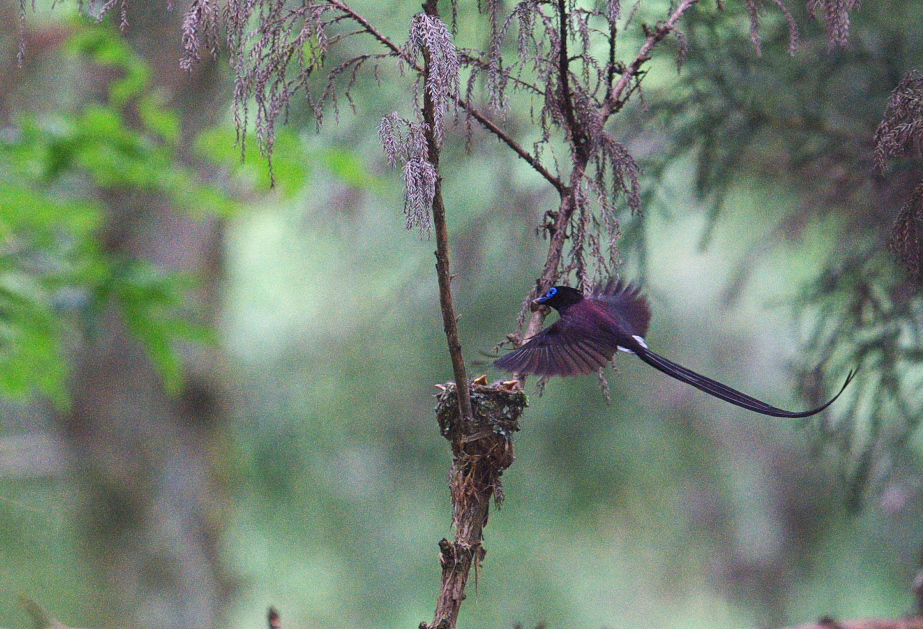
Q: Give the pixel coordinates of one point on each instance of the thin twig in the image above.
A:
(530, 159)
(617, 98)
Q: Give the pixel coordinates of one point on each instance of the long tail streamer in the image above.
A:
(726, 393)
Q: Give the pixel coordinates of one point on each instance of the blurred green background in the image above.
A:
(177, 461)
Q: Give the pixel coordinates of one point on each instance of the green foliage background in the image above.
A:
(55, 268)
(664, 508)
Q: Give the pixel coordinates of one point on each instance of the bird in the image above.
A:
(614, 317)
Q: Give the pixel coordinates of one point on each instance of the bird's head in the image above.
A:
(559, 298)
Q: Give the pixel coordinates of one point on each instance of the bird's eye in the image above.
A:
(551, 292)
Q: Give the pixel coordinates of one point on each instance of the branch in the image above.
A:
(613, 103)
(486, 122)
(617, 98)
(569, 203)
(482, 448)
(443, 265)
(577, 136)
(475, 476)
(374, 32)
(555, 251)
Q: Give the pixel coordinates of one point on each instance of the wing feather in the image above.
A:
(570, 346)
(591, 358)
(625, 304)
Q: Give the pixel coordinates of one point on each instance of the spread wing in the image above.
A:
(625, 304)
(586, 335)
(616, 316)
(565, 348)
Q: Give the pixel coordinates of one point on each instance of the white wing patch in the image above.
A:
(635, 337)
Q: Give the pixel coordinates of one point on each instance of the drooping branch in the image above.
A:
(614, 101)
(482, 118)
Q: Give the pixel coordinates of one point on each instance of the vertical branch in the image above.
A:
(610, 73)
(481, 441)
(581, 157)
(556, 246)
(577, 136)
(482, 448)
(443, 266)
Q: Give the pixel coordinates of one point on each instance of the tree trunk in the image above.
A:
(154, 503)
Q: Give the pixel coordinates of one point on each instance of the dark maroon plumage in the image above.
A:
(592, 328)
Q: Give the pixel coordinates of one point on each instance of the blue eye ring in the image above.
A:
(544, 298)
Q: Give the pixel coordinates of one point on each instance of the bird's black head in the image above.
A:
(560, 297)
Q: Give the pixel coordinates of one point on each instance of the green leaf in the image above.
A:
(30, 349)
(55, 274)
(159, 120)
(349, 167)
(291, 161)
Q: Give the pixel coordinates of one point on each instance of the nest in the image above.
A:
(482, 447)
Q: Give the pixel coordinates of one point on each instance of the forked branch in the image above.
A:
(614, 101)
(630, 78)
(478, 115)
